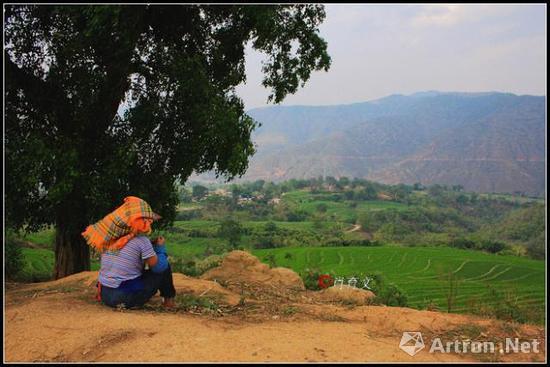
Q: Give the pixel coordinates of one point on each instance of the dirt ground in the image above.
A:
(244, 321)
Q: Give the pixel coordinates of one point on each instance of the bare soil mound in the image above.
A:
(201, 287)
(345, 294)
(242, 268)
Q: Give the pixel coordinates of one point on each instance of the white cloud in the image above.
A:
(447, 15)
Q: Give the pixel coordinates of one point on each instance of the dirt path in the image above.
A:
(364, 234)
(355, 228)
(60, 321)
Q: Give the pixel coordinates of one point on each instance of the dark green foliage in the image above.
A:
(71, 158)
(343, 181)
(271, 227)
(231, 230)
(524, 225)
(462, 243)
(510, 311)
(267, 242)
(436, 190)
(296, 215)
(392, 295)
(271, 260)
(199, 192)
(322, 208)
(536, 248)
(184, 266)
(395, 224)
(13, 257)
(491, 246)
(184, 195)
(386, 293)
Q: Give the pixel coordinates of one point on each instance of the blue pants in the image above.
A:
(151, 284)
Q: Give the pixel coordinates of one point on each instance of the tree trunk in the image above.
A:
(72, 254)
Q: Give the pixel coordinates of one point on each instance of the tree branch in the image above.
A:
(46, 96)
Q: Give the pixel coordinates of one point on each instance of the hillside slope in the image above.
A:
(487, 142)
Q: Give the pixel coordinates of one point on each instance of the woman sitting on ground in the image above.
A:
(121, 239)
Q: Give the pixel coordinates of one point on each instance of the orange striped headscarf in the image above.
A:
(117, 228)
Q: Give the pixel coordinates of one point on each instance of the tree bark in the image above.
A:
(72, 254)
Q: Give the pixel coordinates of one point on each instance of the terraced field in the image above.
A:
(339, 210)
(423, 272)
(213, 226)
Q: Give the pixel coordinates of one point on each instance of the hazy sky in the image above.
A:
(378, 50)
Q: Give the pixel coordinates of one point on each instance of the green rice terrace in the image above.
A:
(423, 273)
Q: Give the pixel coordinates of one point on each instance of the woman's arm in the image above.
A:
(152, 261)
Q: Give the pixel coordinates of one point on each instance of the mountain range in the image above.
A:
(486, 142)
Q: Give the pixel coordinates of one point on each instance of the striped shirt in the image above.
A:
(125, 264)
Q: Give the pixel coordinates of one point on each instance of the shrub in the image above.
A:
(462, 243)
(13, 256)
(267, 242)
(310, 277)
(231, 230)
(270, 227)
(296, 216)
(504, 304)
(536, 248)
(193, 267)
(270, 258)
(322, 208)
(386, 293)
(184, 266)
(392, 295)
(492, 246)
